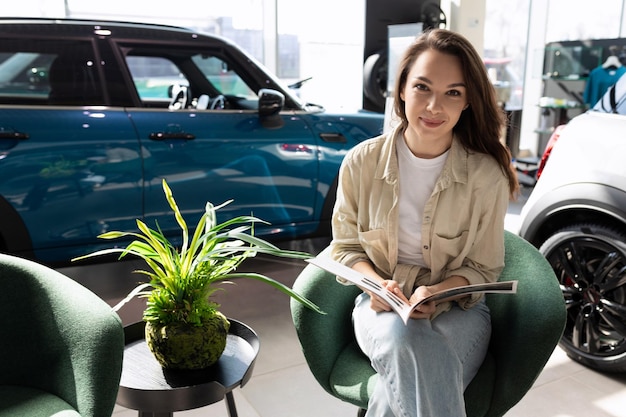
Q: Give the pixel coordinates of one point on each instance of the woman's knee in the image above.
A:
(415, 336)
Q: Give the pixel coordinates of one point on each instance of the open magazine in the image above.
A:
(403, 308)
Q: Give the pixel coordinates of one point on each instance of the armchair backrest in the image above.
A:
(58, 337)
(527, 326)
(324, 337)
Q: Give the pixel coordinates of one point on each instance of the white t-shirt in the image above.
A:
(417, 181)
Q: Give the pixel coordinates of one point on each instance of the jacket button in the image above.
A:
(425, 247)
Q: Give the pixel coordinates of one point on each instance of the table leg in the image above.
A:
(230, 403)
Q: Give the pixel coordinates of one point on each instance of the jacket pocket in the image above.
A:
(449, 247)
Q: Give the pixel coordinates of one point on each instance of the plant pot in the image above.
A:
(188, 347)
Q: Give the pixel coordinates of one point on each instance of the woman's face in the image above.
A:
(435, 94)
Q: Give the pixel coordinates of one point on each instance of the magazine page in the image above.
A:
(401, 307)
(339, 269)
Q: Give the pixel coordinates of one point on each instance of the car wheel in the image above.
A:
(375, 78)
(325, 227)
(590, 263)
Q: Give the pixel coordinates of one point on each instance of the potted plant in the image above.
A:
(184, 328)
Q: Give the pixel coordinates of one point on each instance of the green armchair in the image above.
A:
(62, 347)
(526, 328)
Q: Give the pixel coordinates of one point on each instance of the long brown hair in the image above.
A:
(480, 125)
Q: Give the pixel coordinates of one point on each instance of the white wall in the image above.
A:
(467, 17)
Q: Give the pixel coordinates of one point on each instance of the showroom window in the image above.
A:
(323, 40)
(599, 19)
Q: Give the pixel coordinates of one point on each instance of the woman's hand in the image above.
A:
(378, 304)
(422, 312)
(425, 310)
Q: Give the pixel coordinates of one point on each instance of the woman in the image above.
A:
(421, 209)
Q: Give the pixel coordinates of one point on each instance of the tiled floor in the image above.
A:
(282, 385)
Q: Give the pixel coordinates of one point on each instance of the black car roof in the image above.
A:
(86, 27)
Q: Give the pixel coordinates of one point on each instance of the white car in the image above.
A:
(576, 216)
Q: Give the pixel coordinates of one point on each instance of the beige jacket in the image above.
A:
(463, 223)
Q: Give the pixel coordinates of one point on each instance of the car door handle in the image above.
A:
(171, 135)
(333, 137)
(5, 134)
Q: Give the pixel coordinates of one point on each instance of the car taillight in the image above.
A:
(549, 146)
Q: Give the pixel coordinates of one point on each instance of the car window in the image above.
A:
(187, 79)
(223, 78)
(49, 73)
(154, 77)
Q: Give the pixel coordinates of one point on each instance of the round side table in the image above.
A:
(156, 392)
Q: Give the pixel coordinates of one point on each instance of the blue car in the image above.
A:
(94, 114)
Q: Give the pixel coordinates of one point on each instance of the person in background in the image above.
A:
(421, 209)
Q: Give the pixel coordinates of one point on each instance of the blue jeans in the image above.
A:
(423, 367)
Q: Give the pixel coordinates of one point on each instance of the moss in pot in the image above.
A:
(184, 328)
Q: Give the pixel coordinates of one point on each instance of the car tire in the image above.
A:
(375, 78)
(589, 261)
(325, 227)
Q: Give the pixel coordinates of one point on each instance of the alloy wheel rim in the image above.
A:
(592, 275)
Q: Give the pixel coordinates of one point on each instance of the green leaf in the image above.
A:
(278, 285)
(138, 289)
(183, 280)
(179, 218)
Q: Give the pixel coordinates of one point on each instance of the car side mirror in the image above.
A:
(271, 103)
